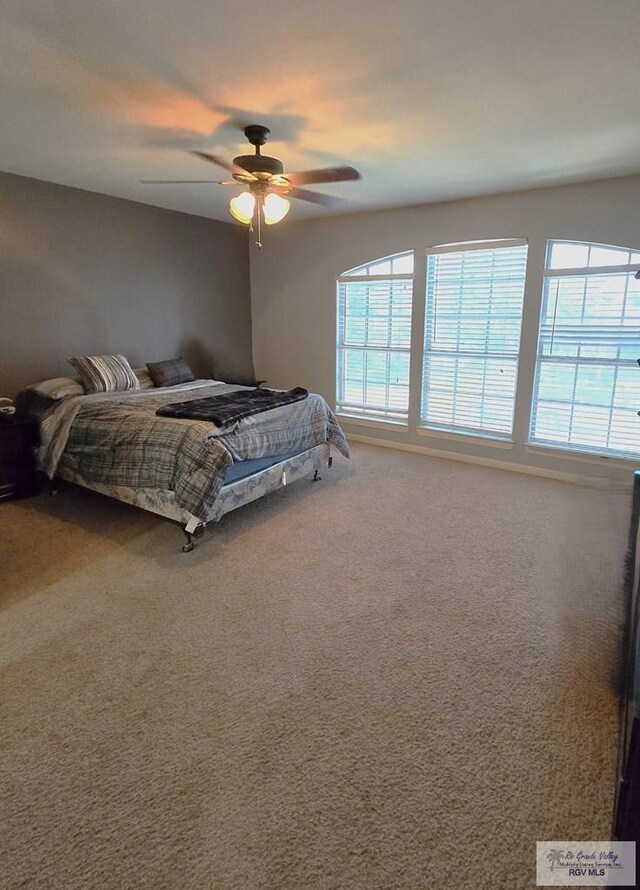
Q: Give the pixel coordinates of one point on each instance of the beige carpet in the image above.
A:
(398, 678)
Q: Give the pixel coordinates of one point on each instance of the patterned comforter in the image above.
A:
(117, 439)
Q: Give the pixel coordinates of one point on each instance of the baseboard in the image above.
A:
(574, 478)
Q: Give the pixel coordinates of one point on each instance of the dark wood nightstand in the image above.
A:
(18, 477)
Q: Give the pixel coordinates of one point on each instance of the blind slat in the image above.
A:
(472, 338)
(374, 341)
(587, 388)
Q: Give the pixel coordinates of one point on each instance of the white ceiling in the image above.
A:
(430, 99)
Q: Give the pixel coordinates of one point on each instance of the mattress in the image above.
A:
(243, 468)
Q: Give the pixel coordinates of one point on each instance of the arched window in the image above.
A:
(399, 264)
(587, 383)
(374, 339)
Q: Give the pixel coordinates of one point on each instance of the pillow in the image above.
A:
(170, 373)
(58, 388)
(105, 373)
(143, 377)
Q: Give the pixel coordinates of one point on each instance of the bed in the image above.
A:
(188, 471)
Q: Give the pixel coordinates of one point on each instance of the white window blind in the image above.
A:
(587, 383)
(374, 339)
(473, 318)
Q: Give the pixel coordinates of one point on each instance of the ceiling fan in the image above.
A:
(266, 182)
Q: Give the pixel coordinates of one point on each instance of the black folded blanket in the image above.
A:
(232, 406)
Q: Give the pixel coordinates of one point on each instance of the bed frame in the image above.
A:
(234, 494)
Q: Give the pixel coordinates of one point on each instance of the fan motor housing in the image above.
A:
(260, 164)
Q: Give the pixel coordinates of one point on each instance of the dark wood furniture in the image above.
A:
(18, 477)
(627, 809)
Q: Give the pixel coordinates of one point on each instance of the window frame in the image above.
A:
(367, 415)
(538, 270)
(578, 451)
(470, 434)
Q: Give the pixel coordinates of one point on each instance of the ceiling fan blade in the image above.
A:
(182, 181)
(221, 162)
(312, 197)
(326, 174)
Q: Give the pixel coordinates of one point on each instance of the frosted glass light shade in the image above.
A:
(242, 207)
(274, 208)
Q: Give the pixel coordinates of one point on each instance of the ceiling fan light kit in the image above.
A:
(242, 207)
(275, 208)
(266, 183)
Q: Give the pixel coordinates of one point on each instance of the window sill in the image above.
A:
(585, 456)
(489, 441)
(396, 426)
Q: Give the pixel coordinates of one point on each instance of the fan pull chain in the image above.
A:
(257, 240)
(258, 209)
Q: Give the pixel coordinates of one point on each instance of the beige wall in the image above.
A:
(294, 298)
(85, 273)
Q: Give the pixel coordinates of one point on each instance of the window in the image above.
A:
(587, 382)
(473, 317)
(374, 339)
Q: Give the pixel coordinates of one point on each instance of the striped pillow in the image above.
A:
(105, 373)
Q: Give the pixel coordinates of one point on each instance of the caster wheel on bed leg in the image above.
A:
(316, 477)
(192, 530)
(190, 543)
